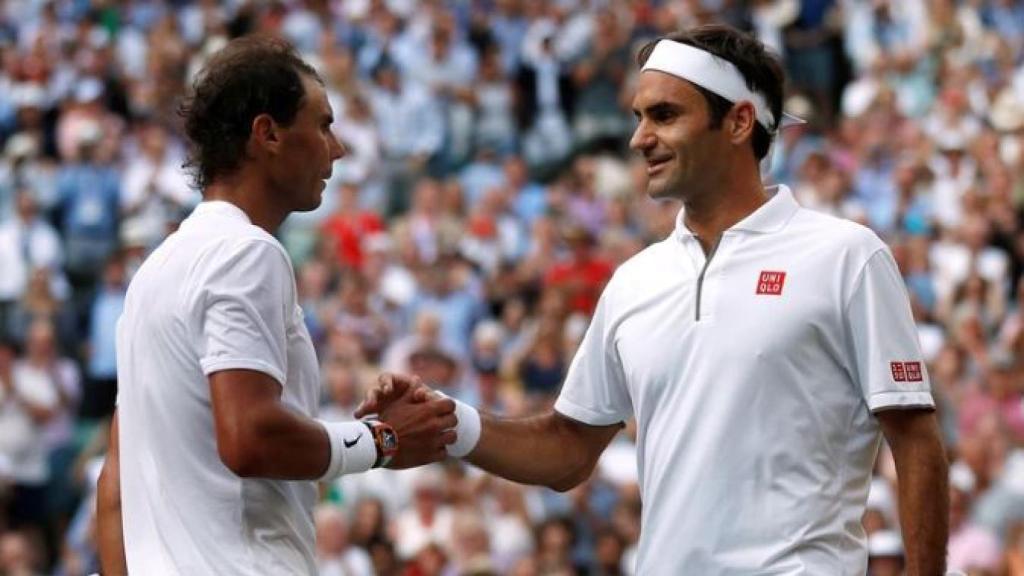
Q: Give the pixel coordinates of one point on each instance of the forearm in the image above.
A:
(550, 450)
(109, 527)
(923, 475)
(282, 445)
(109, 531)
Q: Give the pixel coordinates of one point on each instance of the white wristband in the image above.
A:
(352, 448)
(467, 431)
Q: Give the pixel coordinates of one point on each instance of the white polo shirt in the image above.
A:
(756, 437)
(216, 295)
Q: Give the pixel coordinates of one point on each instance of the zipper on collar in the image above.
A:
(700, 279)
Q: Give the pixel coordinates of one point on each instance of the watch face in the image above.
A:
(389, 441)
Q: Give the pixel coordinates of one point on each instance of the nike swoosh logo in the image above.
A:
(351, 443)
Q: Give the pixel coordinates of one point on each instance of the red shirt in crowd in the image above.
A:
(582, 279)
(347, 231)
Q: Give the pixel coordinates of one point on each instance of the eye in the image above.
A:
(664, 116)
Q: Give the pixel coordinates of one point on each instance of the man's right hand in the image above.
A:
(424, 425)
(389, 388)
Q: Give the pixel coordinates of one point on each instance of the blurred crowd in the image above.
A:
(486, 198)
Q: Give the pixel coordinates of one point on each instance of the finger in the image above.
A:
(449, 421)
(384, 384)
(372, 398)
(443, 407)
(449, 437)
(421, 394)
(361, 410)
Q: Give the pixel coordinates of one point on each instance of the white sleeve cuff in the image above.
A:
(579, 413)
(896, 400)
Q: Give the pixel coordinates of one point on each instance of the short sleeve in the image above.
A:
(595, 390)
(244, 301)
(885, 351)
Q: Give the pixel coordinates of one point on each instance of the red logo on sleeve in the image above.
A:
(906, 371)
(770, 283)
(913, 371)
(898, 373)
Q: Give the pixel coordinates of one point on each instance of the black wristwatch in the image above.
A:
(385, 439)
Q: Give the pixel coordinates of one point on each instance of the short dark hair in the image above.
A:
(250, 76)
(759, 67)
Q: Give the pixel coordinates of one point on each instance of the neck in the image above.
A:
(709, 214)
(253, 196)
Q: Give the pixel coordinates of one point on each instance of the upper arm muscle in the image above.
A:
(910, 424)
(238, 398)
(591, 439)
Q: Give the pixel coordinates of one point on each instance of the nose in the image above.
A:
(643, 139)
(338, 149)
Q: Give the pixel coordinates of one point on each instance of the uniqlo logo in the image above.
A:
(906, 371)
(899, 374)
(770, 283)
(913, 371)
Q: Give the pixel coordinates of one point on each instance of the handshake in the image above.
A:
(428, 425)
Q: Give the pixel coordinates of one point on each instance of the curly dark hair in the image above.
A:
(250, 76)
(759, 67)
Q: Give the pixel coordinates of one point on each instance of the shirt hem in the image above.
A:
(891, 400)
(585, 415)
(211, 366)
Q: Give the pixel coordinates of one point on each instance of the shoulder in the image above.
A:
(246, 254)
(839, 235)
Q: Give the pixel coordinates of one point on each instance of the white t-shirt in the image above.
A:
(755, 429)
(22, 440)
(218, 294)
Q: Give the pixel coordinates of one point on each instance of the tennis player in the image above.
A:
(216, 451)
(764, 350)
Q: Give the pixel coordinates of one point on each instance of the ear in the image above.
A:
(740, 122)
(265, 136)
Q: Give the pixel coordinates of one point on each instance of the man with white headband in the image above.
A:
(763, 348)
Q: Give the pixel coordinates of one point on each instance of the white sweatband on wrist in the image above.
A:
(352, 448)
(467, 431)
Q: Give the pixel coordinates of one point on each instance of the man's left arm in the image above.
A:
(922, 471)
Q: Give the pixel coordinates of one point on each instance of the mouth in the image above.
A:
(655, 165)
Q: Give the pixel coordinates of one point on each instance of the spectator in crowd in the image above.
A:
(89, 202)
(101, 369)
(28, 243)
(155, 192)
(335, 554)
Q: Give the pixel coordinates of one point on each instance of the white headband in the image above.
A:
(714, 74)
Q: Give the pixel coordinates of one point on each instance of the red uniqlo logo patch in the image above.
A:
(906, 371)
(770, 283)
(898, 373)
(913, 371)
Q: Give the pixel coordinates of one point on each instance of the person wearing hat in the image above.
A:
(764, 350)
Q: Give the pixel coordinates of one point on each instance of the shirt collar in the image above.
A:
(222, 208)
(770, 217)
